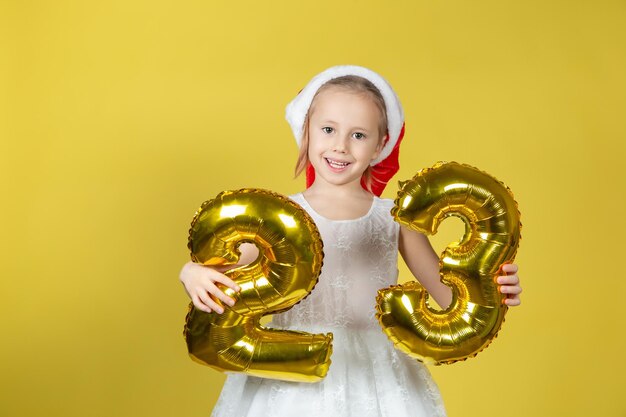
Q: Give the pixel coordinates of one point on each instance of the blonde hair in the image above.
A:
(354, 84)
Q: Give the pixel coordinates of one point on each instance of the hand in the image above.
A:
(200, 283)
(509, 285)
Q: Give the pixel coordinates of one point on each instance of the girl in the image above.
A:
(348, 123)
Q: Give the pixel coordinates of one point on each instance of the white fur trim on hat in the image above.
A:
(299, 107)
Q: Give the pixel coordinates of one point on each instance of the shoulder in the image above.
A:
(300, 201)
(384, 203)
(382, 214)
(298, 198)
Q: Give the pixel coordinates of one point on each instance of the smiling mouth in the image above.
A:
(336, 164)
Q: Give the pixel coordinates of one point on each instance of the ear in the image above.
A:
(381, 145)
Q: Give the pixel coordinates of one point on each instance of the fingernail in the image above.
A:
(220, 310)
(230, 302)
(238, 289)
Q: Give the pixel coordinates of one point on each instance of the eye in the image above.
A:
(359, 135)
(327, 129)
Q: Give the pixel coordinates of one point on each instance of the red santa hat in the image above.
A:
(386, 165)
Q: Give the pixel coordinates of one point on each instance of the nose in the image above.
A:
(340, 143)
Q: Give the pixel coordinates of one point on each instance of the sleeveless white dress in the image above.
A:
(368, 376)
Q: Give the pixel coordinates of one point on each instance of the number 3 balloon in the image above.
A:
(492, 234)
(287, 269)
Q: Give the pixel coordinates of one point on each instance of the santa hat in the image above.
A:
(386, 165)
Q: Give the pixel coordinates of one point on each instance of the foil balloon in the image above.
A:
(286, 270)
(469, 267)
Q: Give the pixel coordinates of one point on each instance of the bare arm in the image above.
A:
(423, 263)
(201, 281)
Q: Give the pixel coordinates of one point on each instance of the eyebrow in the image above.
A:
(334, 122)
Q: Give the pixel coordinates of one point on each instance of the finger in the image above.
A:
(223, 279)
(512, 302)
(213, 273)
(210, 302)
(509, 268)
(508, 279)
(199, 304)
(511, 289)
(216, 292)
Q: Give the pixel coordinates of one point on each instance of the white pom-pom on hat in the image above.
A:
(299, 107)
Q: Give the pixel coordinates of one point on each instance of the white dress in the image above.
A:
(368, 376)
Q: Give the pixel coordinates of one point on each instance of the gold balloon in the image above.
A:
(287, 269)
(469, 267)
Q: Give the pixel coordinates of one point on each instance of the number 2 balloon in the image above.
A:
(287, 269)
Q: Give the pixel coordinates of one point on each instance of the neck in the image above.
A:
(322, 188)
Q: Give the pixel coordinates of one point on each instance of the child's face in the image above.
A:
(344, 136)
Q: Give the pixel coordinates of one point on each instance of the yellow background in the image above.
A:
(119, 118)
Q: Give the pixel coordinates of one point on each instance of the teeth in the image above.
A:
(337, 164)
